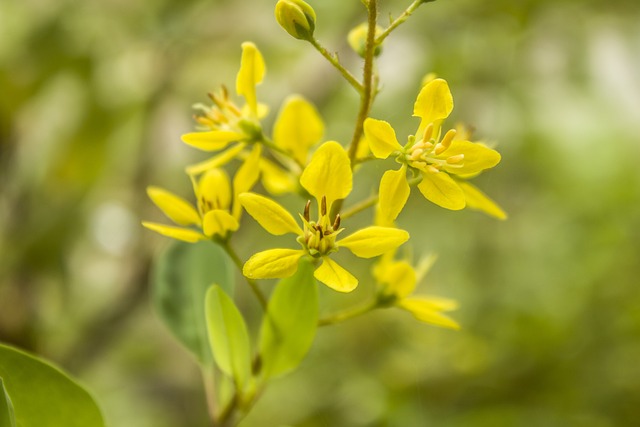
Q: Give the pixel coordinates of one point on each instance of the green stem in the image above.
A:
(270, 144)
(360, 206)
(336, 63)
(400, 19)
(252, 283)
(209, 390)
(349, 314)
(367, 79)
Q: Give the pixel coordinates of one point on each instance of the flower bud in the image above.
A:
(297, 18)
(357, 39)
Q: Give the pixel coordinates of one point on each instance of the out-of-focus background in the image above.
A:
(95, 95)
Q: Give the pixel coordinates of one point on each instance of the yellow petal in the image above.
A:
(393, 194)
(275, 180)
(219, 222)
(398, 278)
(328, 173)
(216, 161)
(428, 310)
(381, 137)
(337, 278)
(298, 128)
(269, 214)
(272, 264)
(441, 189)
(214, 190)
(433, 105)
(246, 177)
(373, 241)
(176, 208)
(476, 199)
(178, 233)
(211, 141)
(477, 157)
(252, 70)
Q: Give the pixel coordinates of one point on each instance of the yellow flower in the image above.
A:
(327, 178)
(225, 123)
(397, 280)
(218, 211)
(442, 162)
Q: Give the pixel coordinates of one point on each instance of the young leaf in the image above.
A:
(7, 419)
(42, 395)
(228, 336)
(289, 327)
(180, 279)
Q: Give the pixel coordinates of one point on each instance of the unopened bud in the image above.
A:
(357, 39)
(297, 18)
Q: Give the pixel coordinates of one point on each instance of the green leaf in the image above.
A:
(180, 279)
(289, 327)
(228, 336)
(7, 419)
(42, 395)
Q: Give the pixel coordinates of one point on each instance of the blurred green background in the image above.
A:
(94, 98)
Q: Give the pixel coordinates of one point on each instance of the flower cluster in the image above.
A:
(252, 167)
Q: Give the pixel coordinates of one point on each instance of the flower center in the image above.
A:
(319, 238)
(222, 115)
(429, 155)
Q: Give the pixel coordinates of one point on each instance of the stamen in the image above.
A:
(323, 206)
(416, 153)
(446, 141)
(336, 223)
(454, 160)
(432, 169)
(428, 132)
(306, 210)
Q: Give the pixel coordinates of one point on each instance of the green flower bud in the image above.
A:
(357, 39)
(297, 18)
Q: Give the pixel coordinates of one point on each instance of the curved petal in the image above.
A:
(441, 189)
(214, 190)
(216, 161)
(393, 194)
(398, 278)
(434, 102)
(275, 179)
(433, 105)
(428, 310)
(177, 233)
(246, 177)
(272, 264)
(328, 173)
(219, 222)
(269, 214)
(477, 157)
(381, 137)
(337, 278)
(176, 208)
(298, 127)
(476, 199)
(211, 141)
(251, 73)
(373, 241)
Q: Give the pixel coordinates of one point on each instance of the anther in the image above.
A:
(428, 132)
(336, 223)
(306, 210)
(323, 206)
(432, 169)
(446, 141)
(454, 160)
(416, 153)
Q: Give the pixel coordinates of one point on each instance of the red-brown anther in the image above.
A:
(323, 206)
(336, 223)
(306, 210)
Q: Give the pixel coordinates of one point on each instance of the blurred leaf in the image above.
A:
(7, 418)
(228, 336)
(42, 395)
(289, 327)
(180, 280)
